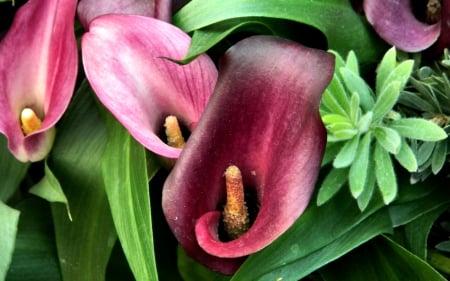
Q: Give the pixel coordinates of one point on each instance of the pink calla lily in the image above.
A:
(263, 117)
(125, 61)
(90, 9)
(396, 23)
(38, 65)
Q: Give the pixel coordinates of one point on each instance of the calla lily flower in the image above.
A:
(125, 60)
(38, 65)
(396, 23)
(262, 118)
(90, 9)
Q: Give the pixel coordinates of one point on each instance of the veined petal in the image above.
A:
(125, 61)
(38, 67)
(263, 117)
(395, 22)
(90, 9)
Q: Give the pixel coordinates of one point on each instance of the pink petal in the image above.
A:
(90, 9)
(124, 61)
(264, 118)
(395, 22)
(38, 66)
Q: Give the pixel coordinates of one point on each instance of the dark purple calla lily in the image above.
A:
(396, 23)
(90, 9)
(38, 67)
(124, 60)
(263, 117)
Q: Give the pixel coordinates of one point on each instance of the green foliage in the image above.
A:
(369, 133)
(427, 95)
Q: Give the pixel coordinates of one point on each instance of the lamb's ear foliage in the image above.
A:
(365, 131)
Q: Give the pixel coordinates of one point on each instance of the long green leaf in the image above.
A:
(322, 15)
(381, 260)
(385, 174)
(11, 171)
(417, 128)
(358, 170)
(126, 181)
(9, 219)
(85, 243)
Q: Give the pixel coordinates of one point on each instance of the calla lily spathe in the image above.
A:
(38, 67)
(263, 117)
(396, 23)
(125, 60)
(90, 9)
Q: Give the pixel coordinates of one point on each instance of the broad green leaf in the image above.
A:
(386, 66)
(380, 260)
(417, 128)
(385, 174)
(48, 188)
(320, 235)
(386, 100)
(85, 243)
(9, 219)
(415, 234)
(439, 156)
(126, 181)
(355, 84)
(406, 157)
(401, 73)
(11, 171)
(193, 271)
(322, 15)
(347, 153)
(388, 138)
(332, 183)
(358, 170)
(35, 257)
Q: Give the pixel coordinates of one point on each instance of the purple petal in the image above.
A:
(123, 60)
(38, 67)
(90, 9)
(263, 117)
(395, 22)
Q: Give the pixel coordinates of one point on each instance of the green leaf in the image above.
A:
(194, 271)
(386, 100)
(332, 183)
(351, 62)
(355, 84)
(126, 181)
(385, 174)
(439, 156)
(11, 171)
(386, 66)
(406, 157)
(364, 122)
(322, 15)
(48, 188)
(424, 152)
(401, 73)
(336, 98)
(331, 151)
(347, 153)
(35, 257)
(355, 110)
(419, 129)
(366, 196)
(380, 260)
(388, 138)
(85, 243)
(9, 219)
(358, 170)
(315, 240)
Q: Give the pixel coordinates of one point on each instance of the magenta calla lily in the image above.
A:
(125, 59)
(263, 117)
(90, 9)
(38, 65)
(396, 23)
